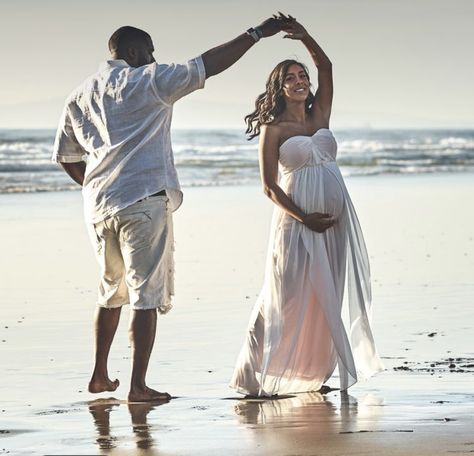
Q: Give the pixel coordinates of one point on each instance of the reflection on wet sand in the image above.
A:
(100, 410)
(306, 417)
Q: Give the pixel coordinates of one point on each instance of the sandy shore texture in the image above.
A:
(420, 236)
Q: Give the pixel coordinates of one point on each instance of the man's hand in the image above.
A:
(319, 222)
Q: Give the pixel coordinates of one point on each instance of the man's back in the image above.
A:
(120, 117)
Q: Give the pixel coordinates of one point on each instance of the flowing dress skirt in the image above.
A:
(296, 336)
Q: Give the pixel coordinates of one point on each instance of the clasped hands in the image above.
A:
(283, 23)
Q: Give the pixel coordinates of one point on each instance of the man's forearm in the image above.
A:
(222, 57)
(76, 171)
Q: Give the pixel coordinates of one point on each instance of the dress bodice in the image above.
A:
(309, 173)
(303, 151)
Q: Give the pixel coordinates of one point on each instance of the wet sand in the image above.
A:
(420, 236)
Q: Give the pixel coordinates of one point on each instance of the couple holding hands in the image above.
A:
(114, 140)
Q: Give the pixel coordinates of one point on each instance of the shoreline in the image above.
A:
(381, 175)
(422, 267)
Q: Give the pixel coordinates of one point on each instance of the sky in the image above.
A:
(396, 64)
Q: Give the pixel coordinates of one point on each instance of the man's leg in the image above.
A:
(112, 294)
(106, 322)
(142, 338)
(146, 245)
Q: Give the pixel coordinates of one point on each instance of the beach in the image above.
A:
(419, 231)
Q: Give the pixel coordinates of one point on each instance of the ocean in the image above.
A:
(208, 157)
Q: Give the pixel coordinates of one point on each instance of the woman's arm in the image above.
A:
(268, 158)
(321, 109)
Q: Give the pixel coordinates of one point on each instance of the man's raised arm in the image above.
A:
(222, 57)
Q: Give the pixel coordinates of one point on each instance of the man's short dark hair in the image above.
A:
(127, 36)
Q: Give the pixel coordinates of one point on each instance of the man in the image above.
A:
(119, 118)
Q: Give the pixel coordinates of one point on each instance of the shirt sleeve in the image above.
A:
(174, 81)
(66, 148)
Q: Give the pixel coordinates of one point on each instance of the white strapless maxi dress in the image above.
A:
(296, 335)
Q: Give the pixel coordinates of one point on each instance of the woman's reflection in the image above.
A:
(307, 418)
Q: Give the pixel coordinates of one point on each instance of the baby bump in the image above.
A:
(316, 189)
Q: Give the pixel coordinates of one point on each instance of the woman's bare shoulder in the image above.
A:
(272, 129)
(270, 135)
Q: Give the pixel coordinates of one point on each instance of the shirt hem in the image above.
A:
(175, 196)
(66, 159)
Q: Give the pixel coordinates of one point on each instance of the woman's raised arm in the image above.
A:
(321, 109)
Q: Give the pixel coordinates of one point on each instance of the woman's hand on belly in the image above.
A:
(318, 222)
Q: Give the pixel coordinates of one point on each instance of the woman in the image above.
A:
(296, 335)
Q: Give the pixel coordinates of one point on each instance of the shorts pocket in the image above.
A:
(135, 230)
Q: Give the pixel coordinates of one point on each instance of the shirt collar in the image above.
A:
(119, 63)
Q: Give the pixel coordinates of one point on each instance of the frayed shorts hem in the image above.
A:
(112, 306)
(160, 308)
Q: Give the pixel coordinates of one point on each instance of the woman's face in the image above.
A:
(295, 84)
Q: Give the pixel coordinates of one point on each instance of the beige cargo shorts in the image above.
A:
(135, 249)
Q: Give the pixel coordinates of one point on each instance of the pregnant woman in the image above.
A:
(296, 335)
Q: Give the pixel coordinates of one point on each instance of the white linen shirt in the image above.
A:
(120, 118)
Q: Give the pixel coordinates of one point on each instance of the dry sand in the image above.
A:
(420, 235)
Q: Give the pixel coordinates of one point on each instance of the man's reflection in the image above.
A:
(100, 410)
(141, 429)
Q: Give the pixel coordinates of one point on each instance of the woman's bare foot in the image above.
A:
(97, 385)
(262, 395)
(147, 395)
(325, 389)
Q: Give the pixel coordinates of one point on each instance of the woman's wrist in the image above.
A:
(301, 217)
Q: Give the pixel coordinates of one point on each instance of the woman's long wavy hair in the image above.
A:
(271, 103)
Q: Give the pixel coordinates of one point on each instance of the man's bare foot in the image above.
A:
(101, 385)
(147, 395)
